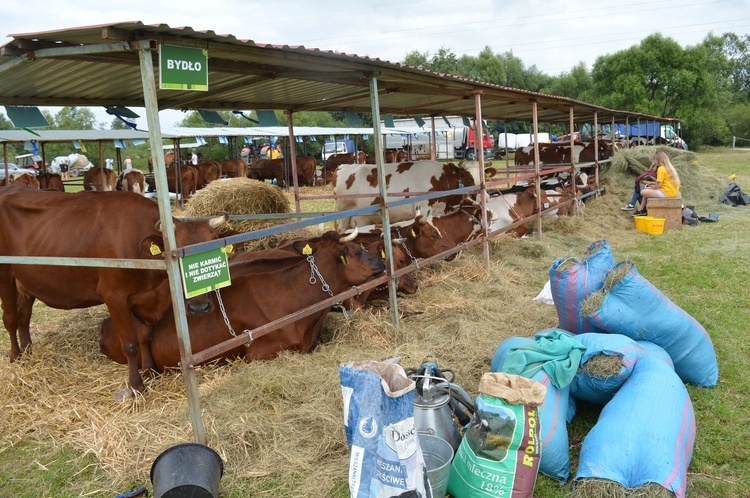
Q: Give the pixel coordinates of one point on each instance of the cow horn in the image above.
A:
(157, 225)
(218, 220)
(348, 238)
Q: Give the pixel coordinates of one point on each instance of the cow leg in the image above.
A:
(125, 328)
(145, 335)
(24, 307)
(9, 297)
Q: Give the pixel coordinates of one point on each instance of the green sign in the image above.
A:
(204, 272)
(183, 68)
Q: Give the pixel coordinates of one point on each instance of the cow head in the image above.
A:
(423, 238)
(186, 233)
(340, 259)
(407, 284)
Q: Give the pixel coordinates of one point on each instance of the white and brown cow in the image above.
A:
(514, 204)
(559, 153)
(131, 180)
(417, 177)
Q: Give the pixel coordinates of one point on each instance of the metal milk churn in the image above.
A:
(436, 401)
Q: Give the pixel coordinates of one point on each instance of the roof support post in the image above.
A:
(377, 137)
(596, 153)
(571, 119)
(537, 179)
(479, 145)
(293, 163)
(165, 215)
(433, 140)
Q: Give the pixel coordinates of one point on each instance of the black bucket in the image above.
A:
(188, 470)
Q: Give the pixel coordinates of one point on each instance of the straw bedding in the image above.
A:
(282, 419)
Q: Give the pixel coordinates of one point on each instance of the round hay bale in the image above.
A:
(241, 196)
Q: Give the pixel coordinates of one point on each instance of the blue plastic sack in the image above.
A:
(555, 413)
(635, 308)
(570, 287)
(599, 390)
(386, 459)
(645, 434)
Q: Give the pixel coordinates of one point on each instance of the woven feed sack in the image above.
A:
(645, 434)
(599, 389)
(635, 308)
(570, 285)
(499, 454)
(554, 414)
(385, 456)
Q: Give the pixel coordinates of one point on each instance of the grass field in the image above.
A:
(62, 435)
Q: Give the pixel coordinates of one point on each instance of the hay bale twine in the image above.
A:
(241, 196)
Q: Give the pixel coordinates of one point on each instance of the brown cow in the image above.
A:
(268, 169)
(306, 166)
(249, 304)
(51, 181)
(99, 179)
(169, 160)
(462, 225)
(188, 183)
(389, 156)
(131, 180)
(559, 153)
(235, 168)
(208, 172)
(334, 160)
(22, 180)
(90, 225)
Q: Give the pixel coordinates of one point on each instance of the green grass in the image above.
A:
(705, 268)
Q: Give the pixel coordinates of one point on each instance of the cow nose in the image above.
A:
(199, 308)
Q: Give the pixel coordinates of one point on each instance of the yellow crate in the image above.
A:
(641, 223)
(655, 226)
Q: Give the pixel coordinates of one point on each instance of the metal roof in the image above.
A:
(99, 66)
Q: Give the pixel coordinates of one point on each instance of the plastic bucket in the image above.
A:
(641, 223)
(655, 226)
(438, 454)
(189, 470)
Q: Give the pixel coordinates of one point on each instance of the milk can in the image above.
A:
(437, 401)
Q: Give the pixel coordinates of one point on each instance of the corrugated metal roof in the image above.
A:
(99, 65)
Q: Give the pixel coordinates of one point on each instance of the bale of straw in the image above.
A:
(241, 196)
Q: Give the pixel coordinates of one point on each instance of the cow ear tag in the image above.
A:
(413, 233)
(382, 254)
(154, 249)
(307, 250)
(344, 260)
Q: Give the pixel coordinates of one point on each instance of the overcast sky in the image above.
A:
(554, 35)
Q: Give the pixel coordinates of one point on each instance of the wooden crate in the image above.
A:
(669, 209)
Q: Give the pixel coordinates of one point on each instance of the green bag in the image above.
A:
(499, 454)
